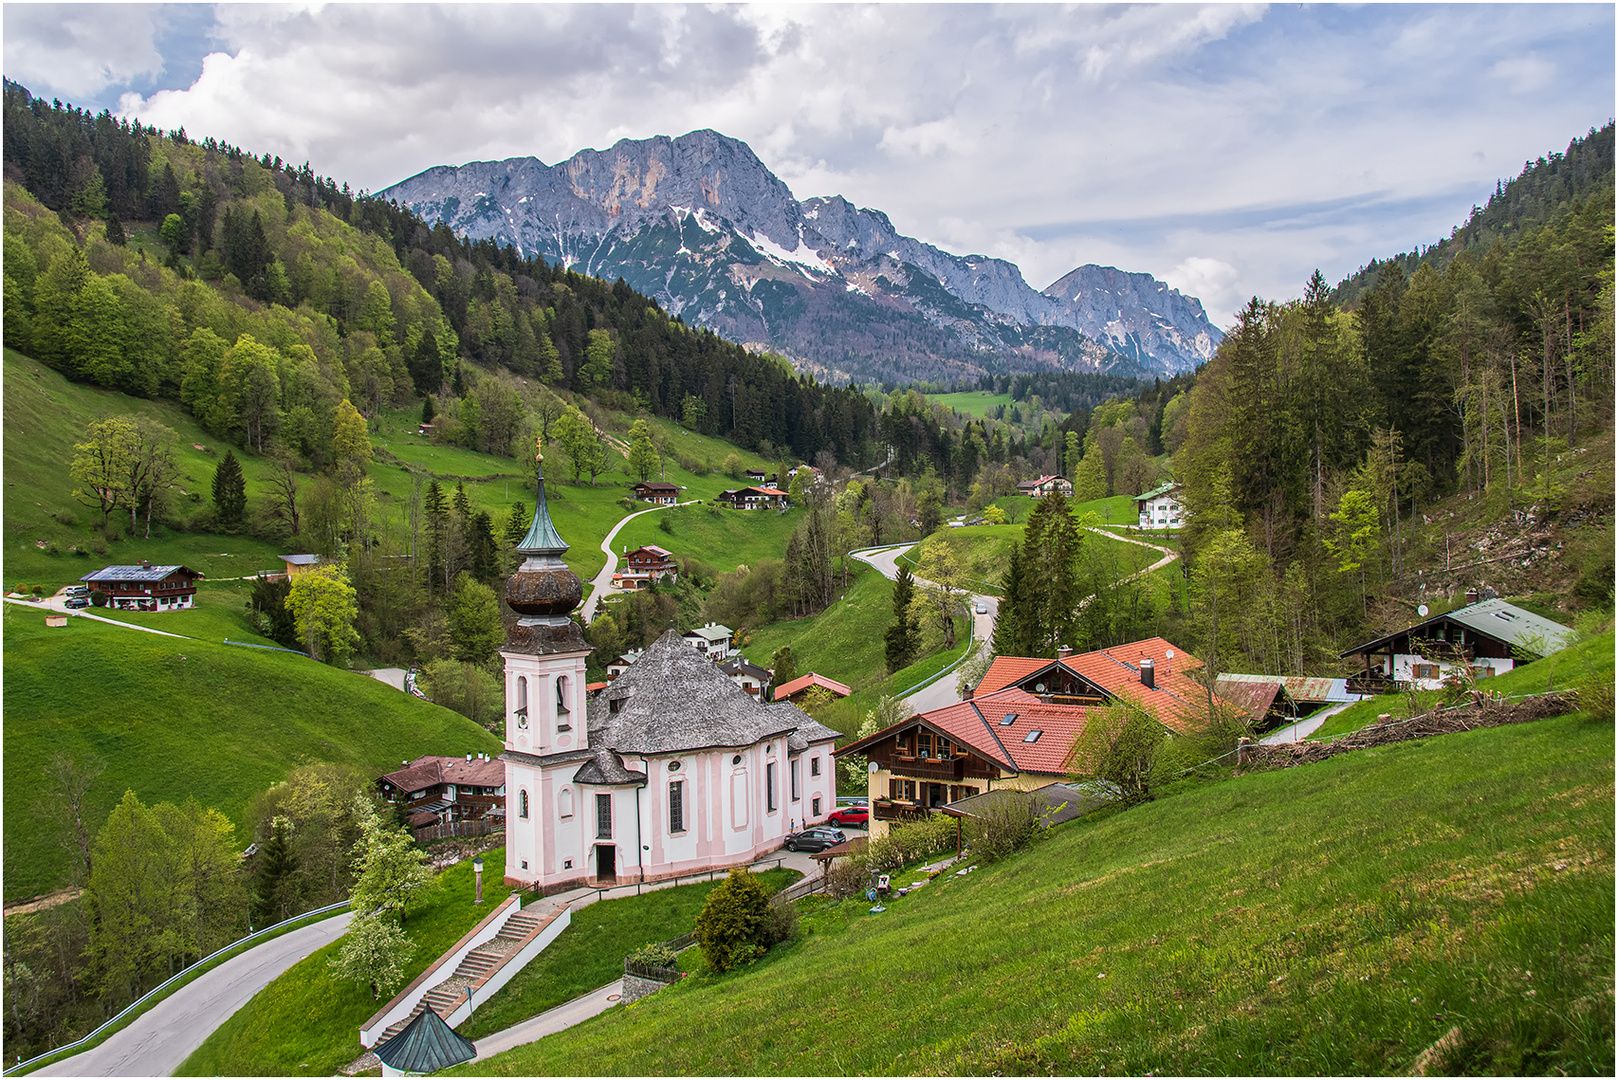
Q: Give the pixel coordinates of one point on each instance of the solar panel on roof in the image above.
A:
(1008, 719)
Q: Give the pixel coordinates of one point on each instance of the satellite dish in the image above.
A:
(874, 767)
(1421, 609)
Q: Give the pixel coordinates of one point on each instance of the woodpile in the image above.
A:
(1483, 711)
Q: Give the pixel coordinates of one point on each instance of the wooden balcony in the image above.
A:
(950, 769)
(897, 810)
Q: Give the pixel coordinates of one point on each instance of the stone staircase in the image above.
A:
(479, 964)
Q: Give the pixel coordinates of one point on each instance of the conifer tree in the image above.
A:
(901, 636)
(229, 490)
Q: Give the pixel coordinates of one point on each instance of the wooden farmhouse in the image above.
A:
(754, 498)
(657, 491)
(643, 566)
(747, 675)
(144, 587)
(436, 790)
(1044, 485)
(1018, 728)
(1479, 640)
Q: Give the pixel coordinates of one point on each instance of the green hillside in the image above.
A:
(1340, 918)
(176, 719)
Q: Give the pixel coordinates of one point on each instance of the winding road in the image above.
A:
(601, 584)
(159, 1040)
(937, 694)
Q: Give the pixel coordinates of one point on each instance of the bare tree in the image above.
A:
(62, 801)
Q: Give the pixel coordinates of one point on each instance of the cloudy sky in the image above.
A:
(1227, 149)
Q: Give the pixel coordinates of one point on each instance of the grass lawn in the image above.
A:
(847, 714)
(171, 720)
(591, 951)
(844, 642)
(1339, 918)
(981, 552)
(307, 1023)
(974, 403)
(221, 613)
(719, 536)
(1575, 666)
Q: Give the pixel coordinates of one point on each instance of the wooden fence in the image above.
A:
(473, 827)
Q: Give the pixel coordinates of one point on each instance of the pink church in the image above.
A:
(672, 769)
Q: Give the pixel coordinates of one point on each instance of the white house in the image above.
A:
(670, 769)
(712, 641)
(1160, 508)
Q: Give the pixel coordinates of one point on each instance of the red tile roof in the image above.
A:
(804, 682)
(432, 769)
(1179, 701)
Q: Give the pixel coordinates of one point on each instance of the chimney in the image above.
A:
(1148, 674)
(1064, 651)
(469, 759)
(1471, 596)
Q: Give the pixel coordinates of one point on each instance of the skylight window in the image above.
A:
(1008, 719)
(1032, 736)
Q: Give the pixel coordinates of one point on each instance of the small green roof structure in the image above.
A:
(426, 1045)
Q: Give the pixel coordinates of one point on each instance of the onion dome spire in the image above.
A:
(543, 591)
(542, 538)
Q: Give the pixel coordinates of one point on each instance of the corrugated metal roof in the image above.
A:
(135, 573)
(1497, 619)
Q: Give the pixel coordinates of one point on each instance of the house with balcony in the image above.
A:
(436, 790)
(747, 675)
(1018, 727)
(657, 491)
(712, 641)
(645, 565)
(1160, 508)
(1480, 640)
(753, 498)
(144, 587)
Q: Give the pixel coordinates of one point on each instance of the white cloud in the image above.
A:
(81, 49)
(1228, 149)
(1525, 74)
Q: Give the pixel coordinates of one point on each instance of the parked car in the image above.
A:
(983, 609)
(78, 590)
(850, 815)
(818, 838)
(76, 602)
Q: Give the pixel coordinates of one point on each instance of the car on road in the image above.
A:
(76, 602)
(818, 838)
(850, 815)
(983, 609)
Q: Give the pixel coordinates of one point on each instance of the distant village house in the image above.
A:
(657, 491)
(1160, 508)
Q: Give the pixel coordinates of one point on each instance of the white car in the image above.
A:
(983, 609)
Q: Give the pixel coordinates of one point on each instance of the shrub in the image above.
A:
(780, 921)
(654, 954)
(732, 926)
(847, 877)
(100, 546)
(66, 517)
(1004, 825)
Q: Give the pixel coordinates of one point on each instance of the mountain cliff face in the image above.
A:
(699, 223)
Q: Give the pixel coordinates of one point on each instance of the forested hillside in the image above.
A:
(1542, 194)
(1330, 452)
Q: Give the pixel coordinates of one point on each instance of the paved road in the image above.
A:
(601, 584)
(937, 694)
(1305, 727)
(942, 692)
(54, 604)
(159, 1040)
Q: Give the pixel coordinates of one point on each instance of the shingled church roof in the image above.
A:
(674, 700)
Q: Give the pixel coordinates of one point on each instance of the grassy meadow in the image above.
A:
(591, 951)
(307, 1023)
(722, 537)
(1450, 897)
(170, 719)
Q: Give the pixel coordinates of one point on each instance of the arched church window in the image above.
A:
(522, 803)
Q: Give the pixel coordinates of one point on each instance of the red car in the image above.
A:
(849, 815)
